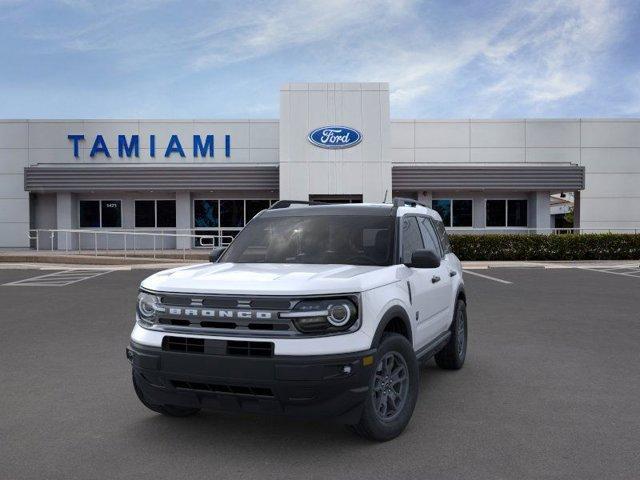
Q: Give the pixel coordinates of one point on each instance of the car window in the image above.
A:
(429, 235)
(318, 239)
(411, 238)
(442, 235)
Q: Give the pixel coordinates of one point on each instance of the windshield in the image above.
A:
(323, 239)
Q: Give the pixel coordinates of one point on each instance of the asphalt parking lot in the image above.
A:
(551, 389)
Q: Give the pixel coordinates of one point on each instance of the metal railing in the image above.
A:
(127, 241)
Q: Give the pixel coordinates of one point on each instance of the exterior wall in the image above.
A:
(308, 170)
(608, 149)
(14, 201)
(611, 154)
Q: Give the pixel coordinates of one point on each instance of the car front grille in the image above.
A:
(217, 347)
(219, 314)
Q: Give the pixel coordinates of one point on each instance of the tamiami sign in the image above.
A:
(203, 146)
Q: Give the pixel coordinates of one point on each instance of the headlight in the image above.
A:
(327, 315)
(147, 307)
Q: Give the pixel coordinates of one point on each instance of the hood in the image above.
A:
(270, 279)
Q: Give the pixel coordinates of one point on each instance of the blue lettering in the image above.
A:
(75, 139)
(99, 146)
(152, 146)
(131, 148)
(203, 149)
(227, 146)
(174, 147)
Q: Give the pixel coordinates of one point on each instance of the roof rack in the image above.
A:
(288, 203)
(407, 202)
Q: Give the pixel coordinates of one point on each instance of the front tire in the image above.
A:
(452, 356)
(393, 390)
(169, 410)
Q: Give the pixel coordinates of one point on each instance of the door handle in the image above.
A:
(453, 273)
(435, 279)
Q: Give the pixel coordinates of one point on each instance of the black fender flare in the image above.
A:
(394, 312)
(460, 295)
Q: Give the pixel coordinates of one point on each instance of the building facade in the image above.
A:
(204, 176)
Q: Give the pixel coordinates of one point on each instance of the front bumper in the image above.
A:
(317, 386)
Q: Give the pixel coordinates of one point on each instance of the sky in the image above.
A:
(228, 59)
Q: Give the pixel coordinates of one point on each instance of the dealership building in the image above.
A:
(332, 142)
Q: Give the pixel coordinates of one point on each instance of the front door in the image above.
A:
(429, 286)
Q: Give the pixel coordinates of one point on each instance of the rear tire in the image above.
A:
(452, 356)
(393, 390)
(169, 410)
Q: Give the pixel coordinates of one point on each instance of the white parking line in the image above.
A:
(58, 279)
(623, 271)
(499, 280)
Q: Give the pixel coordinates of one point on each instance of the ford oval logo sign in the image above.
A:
(335, 136)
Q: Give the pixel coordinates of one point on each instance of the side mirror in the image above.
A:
(424, 259)
(216, 253)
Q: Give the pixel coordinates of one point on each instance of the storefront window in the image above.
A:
(155, 213)
(145, 211)
(462, 213)
(443, 207)
(205, 213)
(90, 214)
(455, 213)
(496, 213)
(255, 206)
(517, 213)
(232, 213)
(111, 211)
(100, 213)
(507, 213)
(166, 213)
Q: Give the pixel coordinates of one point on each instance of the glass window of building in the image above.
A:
(111, 211)
(155, 213)
(507, 213)
(443, 207)
(517, 213)
(205, 213)
(462, 213)
(166, 213)
(100, 213)
(454, 213)
(89, 214)
(232, 213)
(496, 213)
(255, 206)
(145, 213)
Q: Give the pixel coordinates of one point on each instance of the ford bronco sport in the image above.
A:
(313, 310)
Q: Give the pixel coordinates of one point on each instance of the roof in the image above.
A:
(364, 209)
(357, 209)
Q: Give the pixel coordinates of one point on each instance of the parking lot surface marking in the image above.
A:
(623, 270)
(499, 280)
(59, 279)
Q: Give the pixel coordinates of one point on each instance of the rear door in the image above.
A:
(425, 284)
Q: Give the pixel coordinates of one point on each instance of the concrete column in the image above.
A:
(66, 218)
(576, 209)
(539, 211)
(183, 219)
(479, 210)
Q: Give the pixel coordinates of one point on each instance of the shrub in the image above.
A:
(591, 246)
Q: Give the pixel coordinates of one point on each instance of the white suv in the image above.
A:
(313, 310)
